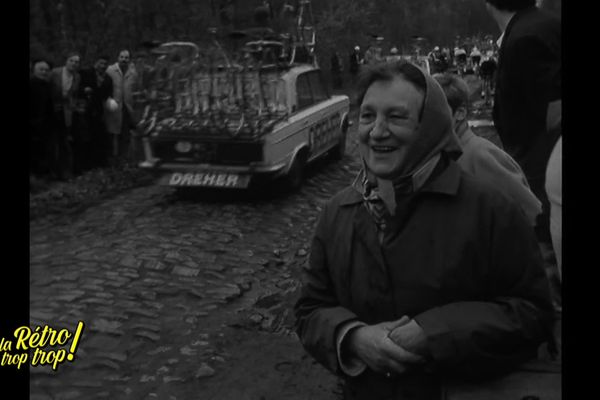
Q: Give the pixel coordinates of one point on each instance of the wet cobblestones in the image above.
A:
(162, 281)
(183, 296)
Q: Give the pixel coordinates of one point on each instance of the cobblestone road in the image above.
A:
(183, 297)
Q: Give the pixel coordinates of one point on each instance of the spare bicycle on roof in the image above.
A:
(252, 104)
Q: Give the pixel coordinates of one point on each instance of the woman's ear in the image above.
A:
(460, 114)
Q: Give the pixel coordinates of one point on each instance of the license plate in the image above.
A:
(206, 179)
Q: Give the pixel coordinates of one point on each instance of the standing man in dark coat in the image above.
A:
(97, 87)
(528, 90)
(336, 70)
(355, 61)
(41, 117)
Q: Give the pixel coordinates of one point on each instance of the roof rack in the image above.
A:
(304, 38)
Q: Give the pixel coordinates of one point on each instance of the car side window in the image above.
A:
(318, 89)
(303, 91)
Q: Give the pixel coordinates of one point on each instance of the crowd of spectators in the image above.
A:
(80, 118)
(470, 56)
(467, 57)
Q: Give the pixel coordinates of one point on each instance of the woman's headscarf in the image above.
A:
(434, 136)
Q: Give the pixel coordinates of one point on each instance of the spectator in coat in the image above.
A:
(487, 72)
(419, 272)
(435, 59)
(65, 82)
(41, 119)
(393, 56)
(528, 89)
(554, 191)
(483, 158)
(374, 55)
(336, 70)
(355, 61)
(475, 58)
(120, 122)
(97, 88)
(554, 185)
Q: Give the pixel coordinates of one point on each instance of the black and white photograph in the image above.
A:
(293, 200)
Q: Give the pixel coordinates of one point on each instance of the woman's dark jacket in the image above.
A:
(465, 265)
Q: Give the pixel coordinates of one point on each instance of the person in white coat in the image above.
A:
(554, 192)
(121, 120)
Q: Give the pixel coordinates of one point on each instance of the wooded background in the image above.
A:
(94, 27)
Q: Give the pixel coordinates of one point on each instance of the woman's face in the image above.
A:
(388, 126)
(41, 70)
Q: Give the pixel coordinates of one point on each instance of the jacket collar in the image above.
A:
(446, 183)
(466, 136)
(511, 23)
(118, 69)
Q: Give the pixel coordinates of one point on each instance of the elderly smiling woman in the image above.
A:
(418, 272)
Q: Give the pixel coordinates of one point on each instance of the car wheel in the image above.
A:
(339, 151)
(295, 176)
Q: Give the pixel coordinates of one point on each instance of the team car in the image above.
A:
(226, 119)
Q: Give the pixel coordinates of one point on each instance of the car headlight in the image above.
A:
(183, 147)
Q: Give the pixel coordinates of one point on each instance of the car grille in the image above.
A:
(209, 152)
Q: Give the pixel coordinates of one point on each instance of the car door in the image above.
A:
(323, 133)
